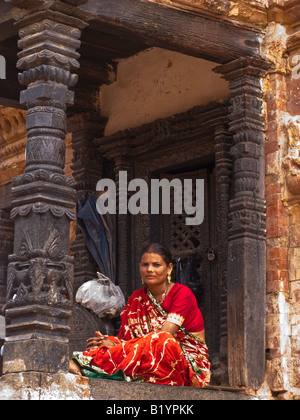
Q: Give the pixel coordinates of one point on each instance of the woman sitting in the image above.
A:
(161, 339)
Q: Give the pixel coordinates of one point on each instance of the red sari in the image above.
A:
(143, 352)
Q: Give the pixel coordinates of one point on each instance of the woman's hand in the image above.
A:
(99, 340)
(170, 328)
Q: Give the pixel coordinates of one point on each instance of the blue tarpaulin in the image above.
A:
(99, 231)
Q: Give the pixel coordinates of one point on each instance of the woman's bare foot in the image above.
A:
(74, 368)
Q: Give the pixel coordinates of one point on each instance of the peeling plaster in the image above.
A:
(274, 45)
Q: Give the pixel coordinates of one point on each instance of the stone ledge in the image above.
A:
(43, 386)
(65, 386)
(113, 390)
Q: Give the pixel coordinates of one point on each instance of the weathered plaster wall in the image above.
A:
(158, 84)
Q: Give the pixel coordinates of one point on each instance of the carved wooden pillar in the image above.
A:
(87, 171)
(40, 273)
(6, 247)
(246, 241)
(223, 159)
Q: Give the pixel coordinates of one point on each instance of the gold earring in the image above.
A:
(142, 280)
(169, 278)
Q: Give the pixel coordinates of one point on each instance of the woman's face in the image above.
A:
(154, 270)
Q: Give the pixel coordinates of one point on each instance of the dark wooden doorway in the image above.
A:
(197, 241)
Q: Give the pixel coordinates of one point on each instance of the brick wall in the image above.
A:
(283, 237)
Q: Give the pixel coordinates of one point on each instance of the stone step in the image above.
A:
(101, 389)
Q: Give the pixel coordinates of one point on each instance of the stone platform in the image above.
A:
(65, 386)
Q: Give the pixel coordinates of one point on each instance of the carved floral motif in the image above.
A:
(41, 276)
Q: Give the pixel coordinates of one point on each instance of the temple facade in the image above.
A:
(156, 89)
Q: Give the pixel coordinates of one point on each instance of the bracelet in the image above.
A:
(175, 319)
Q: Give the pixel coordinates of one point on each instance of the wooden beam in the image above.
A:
(176, 30)
(8, 14)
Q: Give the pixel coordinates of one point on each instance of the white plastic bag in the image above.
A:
(101, 296)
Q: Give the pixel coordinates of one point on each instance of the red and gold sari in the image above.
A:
(143, 352)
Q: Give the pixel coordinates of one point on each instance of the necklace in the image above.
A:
(163, 296)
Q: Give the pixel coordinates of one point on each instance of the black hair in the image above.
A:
(159, 249)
